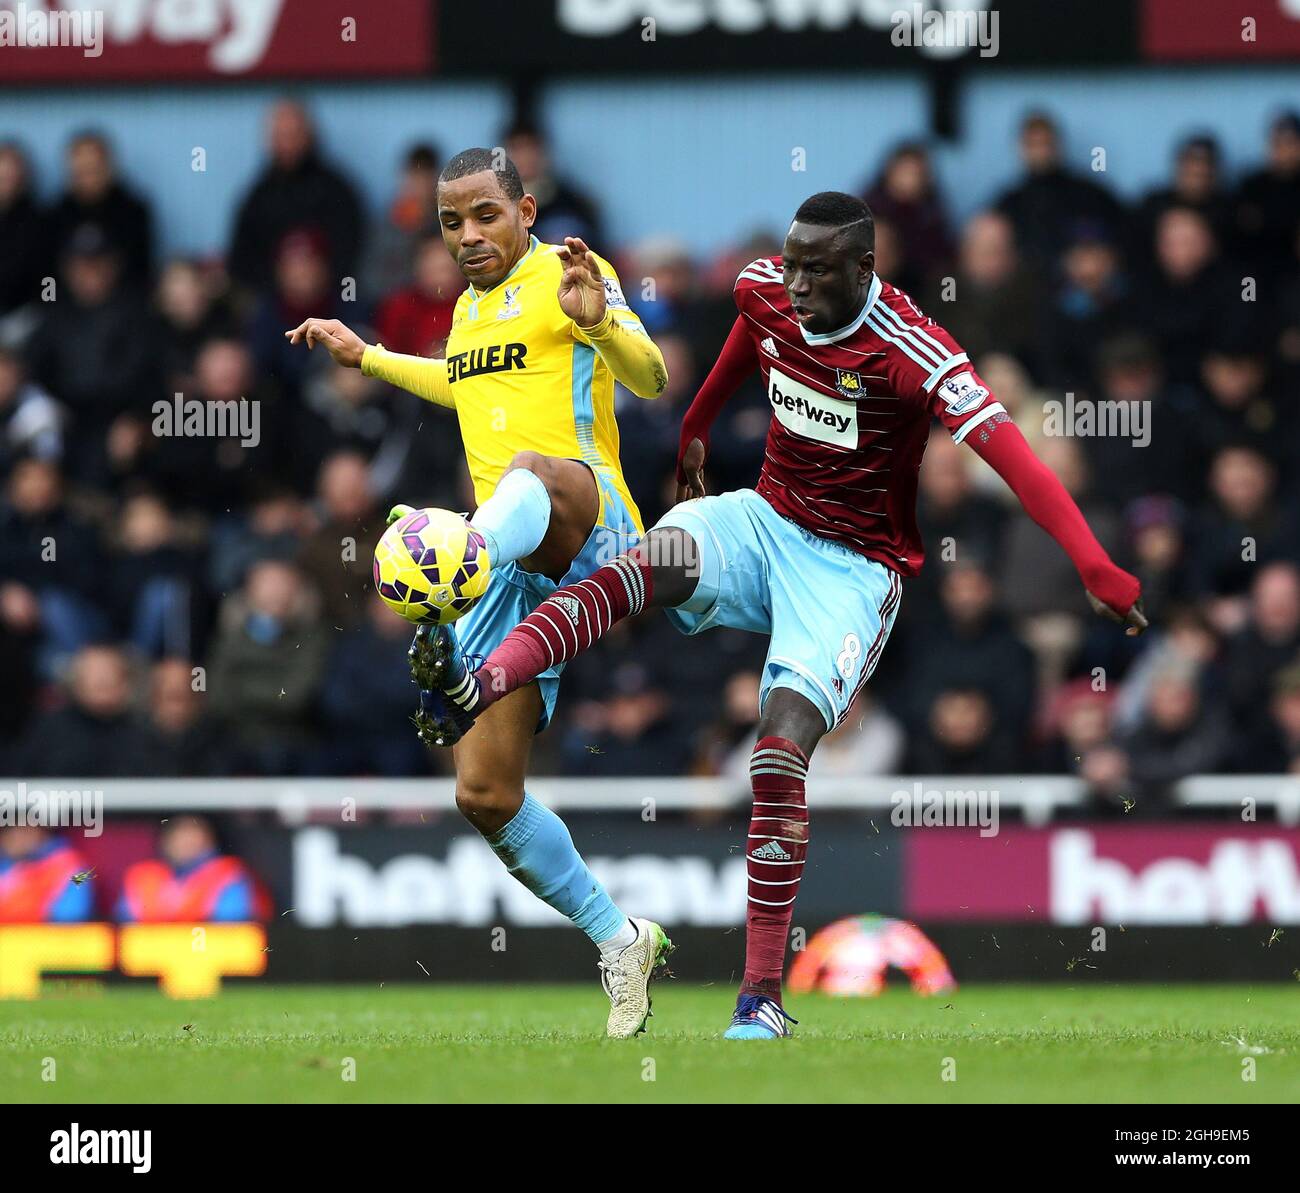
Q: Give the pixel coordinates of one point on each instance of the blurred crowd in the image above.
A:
(200, 604)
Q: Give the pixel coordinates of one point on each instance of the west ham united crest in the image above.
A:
(848, 383)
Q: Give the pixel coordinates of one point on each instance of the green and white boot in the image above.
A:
(627, 979)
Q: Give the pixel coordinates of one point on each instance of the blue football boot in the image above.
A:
(449, 696)
(758, 1017)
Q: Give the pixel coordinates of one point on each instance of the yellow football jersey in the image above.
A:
(524, 377)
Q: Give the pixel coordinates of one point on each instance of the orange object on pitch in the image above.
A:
(853, 956)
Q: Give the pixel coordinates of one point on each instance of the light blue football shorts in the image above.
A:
(827, 608)
(512, 593)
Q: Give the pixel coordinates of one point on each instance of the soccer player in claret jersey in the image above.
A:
(816, 554)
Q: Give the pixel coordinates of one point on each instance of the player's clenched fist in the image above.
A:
(691, 466)
(1134, 621)
(344, 345)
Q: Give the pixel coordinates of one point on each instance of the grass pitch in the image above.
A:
(439, 1043)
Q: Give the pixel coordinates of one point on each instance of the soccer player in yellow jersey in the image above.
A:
(537, 342)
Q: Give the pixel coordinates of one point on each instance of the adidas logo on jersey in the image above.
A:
(771, 852)
(572, 609)
(769, 346)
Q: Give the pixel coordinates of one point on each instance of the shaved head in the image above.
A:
(848, 214)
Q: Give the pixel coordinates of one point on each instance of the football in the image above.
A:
(431, 567)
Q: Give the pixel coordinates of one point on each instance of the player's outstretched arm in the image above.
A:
(632, 356)
(1111, 590)
(737, 360)
(419, 375)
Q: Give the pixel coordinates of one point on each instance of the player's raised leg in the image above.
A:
(540, 516)
(661, 571)
(541, 513)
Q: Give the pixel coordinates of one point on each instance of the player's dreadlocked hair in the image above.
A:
(835, 209)
(475, 161)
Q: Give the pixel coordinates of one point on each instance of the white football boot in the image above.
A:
(627, 979)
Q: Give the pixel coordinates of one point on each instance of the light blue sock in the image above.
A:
(514, 519)
(537, 850)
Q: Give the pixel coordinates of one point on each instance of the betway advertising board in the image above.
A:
(103, 41)
(92, 42)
